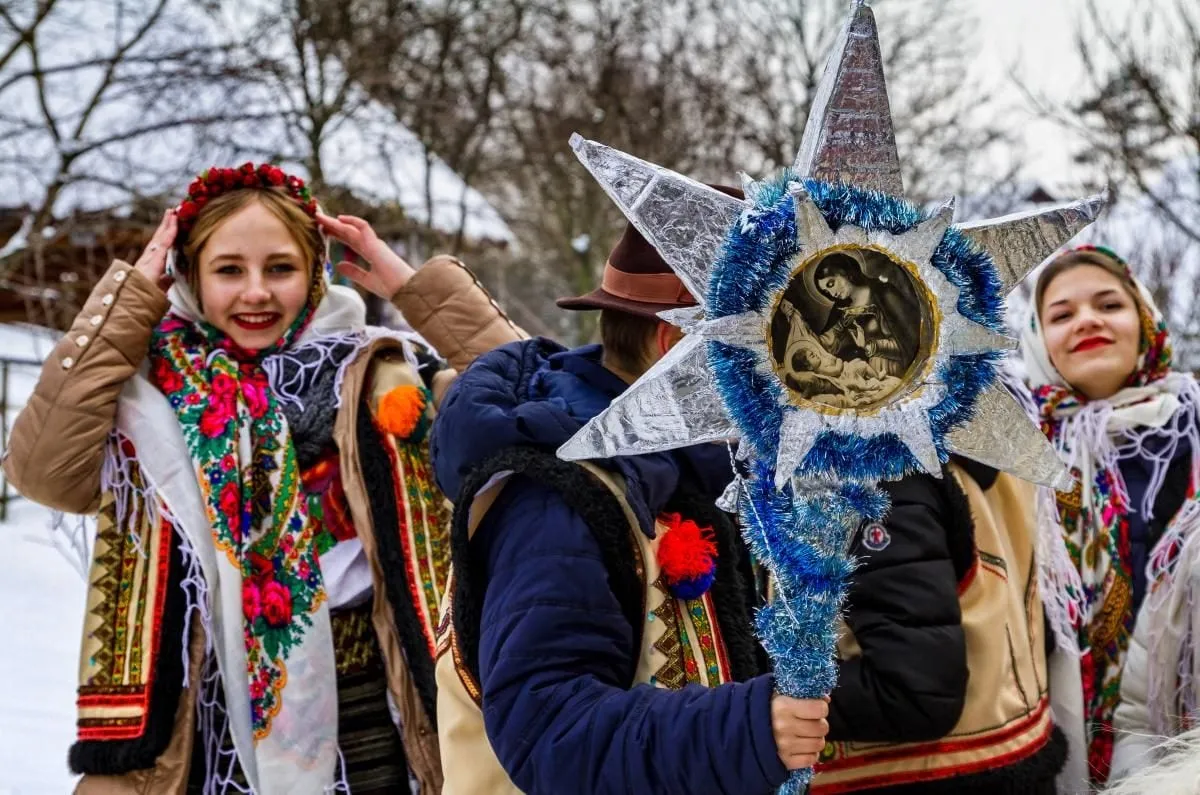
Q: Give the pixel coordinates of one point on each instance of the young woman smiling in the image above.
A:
(1099, 361)
(258, 462)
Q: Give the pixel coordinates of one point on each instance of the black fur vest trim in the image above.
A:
(606, 518)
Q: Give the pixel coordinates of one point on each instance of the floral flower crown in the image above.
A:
(1106, 251)
(217, 181)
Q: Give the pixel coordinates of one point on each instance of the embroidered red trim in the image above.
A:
(948, 746)
(132, 695)
(389, 444)
(915, 776)
(718, 639)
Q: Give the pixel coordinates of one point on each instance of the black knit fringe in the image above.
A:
(385, 521)
(1033, 775)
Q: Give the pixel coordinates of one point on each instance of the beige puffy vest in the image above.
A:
(1006, 716)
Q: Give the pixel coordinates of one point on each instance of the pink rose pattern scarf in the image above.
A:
(246, 465)
(1095, 526)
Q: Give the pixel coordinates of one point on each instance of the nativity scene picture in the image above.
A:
(850, 330)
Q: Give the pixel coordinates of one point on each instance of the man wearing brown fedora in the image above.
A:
(636, 285)
(598, 637)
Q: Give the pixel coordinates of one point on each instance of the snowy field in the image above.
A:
(41, 617)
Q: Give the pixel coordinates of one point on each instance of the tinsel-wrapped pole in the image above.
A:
(802, 538)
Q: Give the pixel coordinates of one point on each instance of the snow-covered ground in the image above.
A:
(41, 615)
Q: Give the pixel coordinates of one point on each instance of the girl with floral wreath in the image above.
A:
(1122, 589)
(271, 550)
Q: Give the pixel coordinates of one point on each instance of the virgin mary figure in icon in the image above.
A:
(868, 339)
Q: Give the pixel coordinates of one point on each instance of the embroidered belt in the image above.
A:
(355, 646)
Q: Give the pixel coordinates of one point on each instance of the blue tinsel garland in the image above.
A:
(803, 538)
(756, 263)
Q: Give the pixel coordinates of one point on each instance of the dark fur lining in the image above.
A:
(118, 757)
(982, 474)
(584, 495)
(385, 522)
(729, 588)
(960, 526)
(1033, 775)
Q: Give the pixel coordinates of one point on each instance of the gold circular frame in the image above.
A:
(912, 382)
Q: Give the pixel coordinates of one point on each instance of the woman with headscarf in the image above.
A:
(1122, 594)
(271, 549)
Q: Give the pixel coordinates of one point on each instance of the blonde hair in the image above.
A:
(300, 225)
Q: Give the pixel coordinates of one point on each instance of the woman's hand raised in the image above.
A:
(382, 271)
(153, 262)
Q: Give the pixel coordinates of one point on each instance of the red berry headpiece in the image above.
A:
(216, 181)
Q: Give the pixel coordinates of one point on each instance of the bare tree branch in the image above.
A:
(1139, 123)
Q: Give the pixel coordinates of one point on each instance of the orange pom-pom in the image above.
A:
(402, 410)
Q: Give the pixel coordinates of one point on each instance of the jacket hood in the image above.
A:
(536, 393)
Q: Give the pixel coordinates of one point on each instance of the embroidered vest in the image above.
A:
(681, 643)
(1006, 717)
(131, 658)
(141, 583)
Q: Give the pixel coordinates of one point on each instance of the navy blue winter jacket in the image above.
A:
(1145, 531)
(555, 650)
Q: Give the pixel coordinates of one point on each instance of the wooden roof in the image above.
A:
(47, 283)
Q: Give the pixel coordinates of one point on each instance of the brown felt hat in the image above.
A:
(636, 279)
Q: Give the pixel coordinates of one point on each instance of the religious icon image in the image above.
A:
(850, 330)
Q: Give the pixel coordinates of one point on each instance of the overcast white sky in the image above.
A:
(1037, 39)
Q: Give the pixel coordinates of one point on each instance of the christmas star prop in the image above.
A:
(842, 337)
(848, 141)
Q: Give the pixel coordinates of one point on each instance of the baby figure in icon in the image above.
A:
(830, 379)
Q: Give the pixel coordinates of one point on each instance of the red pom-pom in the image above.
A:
(687, 551)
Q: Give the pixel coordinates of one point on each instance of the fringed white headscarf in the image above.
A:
(1148, 419)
